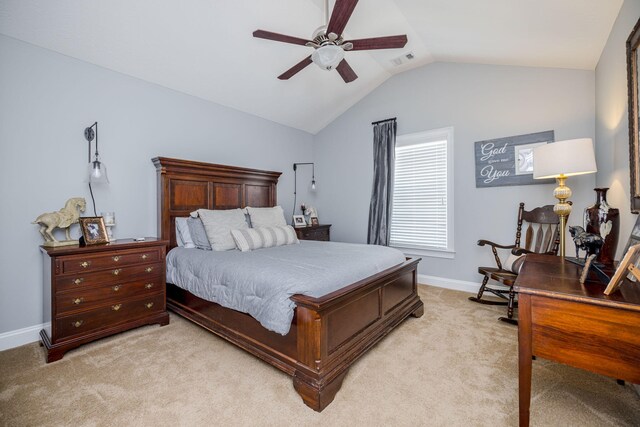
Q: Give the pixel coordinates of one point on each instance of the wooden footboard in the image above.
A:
(327, 335)
(333, 331)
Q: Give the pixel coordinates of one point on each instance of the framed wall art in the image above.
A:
(509, 161)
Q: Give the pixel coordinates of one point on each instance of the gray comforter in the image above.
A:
(260, 282)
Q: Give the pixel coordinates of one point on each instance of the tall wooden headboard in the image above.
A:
(185, 185)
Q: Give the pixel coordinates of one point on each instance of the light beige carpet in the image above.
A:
(455, 366)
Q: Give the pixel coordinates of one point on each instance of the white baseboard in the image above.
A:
(20, 337)
(454, 284)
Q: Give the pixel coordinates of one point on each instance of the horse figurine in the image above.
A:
(63, 219)
(589, 242)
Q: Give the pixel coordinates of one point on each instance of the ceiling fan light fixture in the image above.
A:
(328, 56)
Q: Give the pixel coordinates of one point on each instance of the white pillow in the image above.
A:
(183, 236)
(267, 217)
(514, 263)
(218, 225)
(264, 237)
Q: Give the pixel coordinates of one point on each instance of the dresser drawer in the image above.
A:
(108, 261)
(109, 315)
(114, 276)
(88, 297)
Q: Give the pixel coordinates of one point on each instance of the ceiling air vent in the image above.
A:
(402, 59)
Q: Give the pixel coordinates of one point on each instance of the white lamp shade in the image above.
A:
(97, 173)
(570, 157)
(327, 57)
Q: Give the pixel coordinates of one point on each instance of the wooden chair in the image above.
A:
(542, 235)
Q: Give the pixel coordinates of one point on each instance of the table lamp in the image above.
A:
(560, 160)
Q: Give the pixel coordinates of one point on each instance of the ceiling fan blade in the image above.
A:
(346, 72)
(342, 11)
(390, 42)
(295, 69)
(279, 37)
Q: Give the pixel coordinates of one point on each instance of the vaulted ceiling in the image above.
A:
(205, 48)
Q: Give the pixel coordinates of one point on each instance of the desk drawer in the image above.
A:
(114, 276)
(109, 315)
(600, 339)
(76, 263)
(89, 297)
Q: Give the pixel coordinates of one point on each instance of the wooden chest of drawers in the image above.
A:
(314, 232)
(95, 291)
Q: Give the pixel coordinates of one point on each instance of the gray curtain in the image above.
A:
(384, 148)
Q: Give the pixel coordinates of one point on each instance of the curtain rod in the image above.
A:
(385, 120)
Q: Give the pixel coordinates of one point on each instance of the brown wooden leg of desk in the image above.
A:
(524, 358)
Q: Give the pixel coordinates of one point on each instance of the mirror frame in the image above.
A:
(632, 84)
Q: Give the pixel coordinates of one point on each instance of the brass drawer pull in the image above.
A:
(78, 281)
(116, 288)
(144, 256)
(78, 301)
(148, 285)
(116, 307)
(78, 323)
(85, 264)
(116, 271)
(115, 258)
(148, 269)
(149, 305)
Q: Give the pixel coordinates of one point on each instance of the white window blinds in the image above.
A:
(420, 216)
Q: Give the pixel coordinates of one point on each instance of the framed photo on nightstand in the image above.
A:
(314, 220)
(298, 221)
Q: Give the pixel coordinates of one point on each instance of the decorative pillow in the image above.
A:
(264, 237)
(198, 234)
(219, 223)
(514, 263)
(267, 217)
(183, 236)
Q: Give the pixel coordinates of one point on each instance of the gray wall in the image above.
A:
(612, 120)
(480, 102)
(47, 100)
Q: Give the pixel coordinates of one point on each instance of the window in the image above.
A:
(423, 193)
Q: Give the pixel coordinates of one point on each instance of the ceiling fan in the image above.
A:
(328, 44)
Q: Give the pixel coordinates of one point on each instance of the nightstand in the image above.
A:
(314, 232)
(95, 291)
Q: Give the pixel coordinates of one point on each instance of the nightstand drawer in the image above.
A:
(111, 260)
(90, 297)
(314, 232)
(109, 315)
(112, 276)
(321, 235)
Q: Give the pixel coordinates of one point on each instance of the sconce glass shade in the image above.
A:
(327, 57)
(313, 184)
(97, 173)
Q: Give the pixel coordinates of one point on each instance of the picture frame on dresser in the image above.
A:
(314, 220)
(94, 231)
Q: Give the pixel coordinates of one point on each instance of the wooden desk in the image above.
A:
(561, 320)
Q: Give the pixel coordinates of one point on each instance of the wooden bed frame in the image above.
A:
(327, 334)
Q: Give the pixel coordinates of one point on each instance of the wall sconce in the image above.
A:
(96, 170)
(295, 181)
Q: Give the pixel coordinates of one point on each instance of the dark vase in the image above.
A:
(603, 220)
